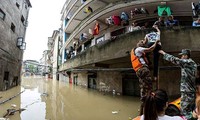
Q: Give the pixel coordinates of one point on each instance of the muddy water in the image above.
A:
(46, 99)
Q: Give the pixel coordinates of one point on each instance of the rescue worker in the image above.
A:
(140, 65)
(188, 74)
(195, 113)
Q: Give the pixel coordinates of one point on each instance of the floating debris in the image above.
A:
(114, 112)
(4, 118)
(13, 105)
(27, 87)
(45, 94)
(2, 102)
(12, 112)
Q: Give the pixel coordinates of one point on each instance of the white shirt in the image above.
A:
(132, 28)
(166, 117)
(139, 52)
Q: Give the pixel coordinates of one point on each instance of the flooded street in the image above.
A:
(46, 99)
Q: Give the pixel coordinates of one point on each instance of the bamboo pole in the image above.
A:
(4, 101)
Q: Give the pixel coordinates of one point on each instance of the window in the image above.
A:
(17, 4)
(22, 19)
(2, 14)
(26, 6)
(12, 27)
(6, 76)
(87, 44)
(100, 39)
(6, 80)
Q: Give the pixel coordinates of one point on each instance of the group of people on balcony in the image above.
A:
(154, 104)
(170, 22)
(124, 20)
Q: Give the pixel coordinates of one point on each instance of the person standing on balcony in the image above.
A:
(188, 76)
(171, 21)
(140, 65)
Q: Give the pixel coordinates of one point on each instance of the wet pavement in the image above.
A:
(47, 99)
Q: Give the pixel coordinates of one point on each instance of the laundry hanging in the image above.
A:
(96, 29)
(125, 18)
(88, 10)
(116, 20)
(109, 20)
(163, 9)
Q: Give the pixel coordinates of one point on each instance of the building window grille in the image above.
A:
(12, 27)
(2, 14)
(17, 4)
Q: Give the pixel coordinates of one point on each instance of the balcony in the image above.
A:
(80, 23)
(113, 54)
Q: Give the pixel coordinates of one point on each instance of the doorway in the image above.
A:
(75, 80)
(92, 80)
(6, 80)
(130, 85)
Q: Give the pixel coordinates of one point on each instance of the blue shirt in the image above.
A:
(195, 24)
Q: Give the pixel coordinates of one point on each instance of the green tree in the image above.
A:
(32, 68)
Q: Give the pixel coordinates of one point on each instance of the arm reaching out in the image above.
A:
(156, 27)
(162, 52)
(171, 58)
(152, 47)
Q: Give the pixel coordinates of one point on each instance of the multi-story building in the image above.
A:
(97, 41)
(13, 24)
(45, 62)
(31, 67)
(54, 43)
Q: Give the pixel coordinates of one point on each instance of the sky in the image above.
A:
(44, 18)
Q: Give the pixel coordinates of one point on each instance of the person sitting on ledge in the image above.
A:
(171, 22)
(196, 23)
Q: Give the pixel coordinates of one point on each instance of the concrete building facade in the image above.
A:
(13, 24)
(54, 44)
(45, 62)
(101, 61)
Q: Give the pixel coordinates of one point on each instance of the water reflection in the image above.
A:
(50, 99)
(32, 102)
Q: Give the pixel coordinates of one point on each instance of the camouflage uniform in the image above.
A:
(187, 87)
(145, 83)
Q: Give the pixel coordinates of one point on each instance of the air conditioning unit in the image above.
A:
(25, 23)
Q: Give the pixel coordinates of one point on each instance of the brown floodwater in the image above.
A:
(47, 99)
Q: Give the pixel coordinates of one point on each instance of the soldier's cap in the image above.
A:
(185, 52)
